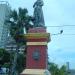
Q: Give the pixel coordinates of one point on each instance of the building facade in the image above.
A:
(4, 15)
(12, 46)
(70, 71)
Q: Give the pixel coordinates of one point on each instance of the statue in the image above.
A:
(38, 14)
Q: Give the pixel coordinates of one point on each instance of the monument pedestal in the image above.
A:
(35, 72)
(37, 57)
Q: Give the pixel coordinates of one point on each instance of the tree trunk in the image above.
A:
(13, 72)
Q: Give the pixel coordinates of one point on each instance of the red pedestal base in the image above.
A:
(37, 39)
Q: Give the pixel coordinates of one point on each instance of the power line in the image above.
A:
(63, 34)
(68, 34)
(62, 26)
(54, 26)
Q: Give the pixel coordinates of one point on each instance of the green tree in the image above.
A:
(21, 62)
(62, 70)
(4, 56)
(18, 21)
(1, 52)
(55, 70)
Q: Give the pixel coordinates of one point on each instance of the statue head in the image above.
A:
(40, 0)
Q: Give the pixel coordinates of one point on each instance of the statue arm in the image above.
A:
(34, 4)
(42, 3)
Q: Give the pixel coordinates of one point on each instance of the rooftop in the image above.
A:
(4, 2)
(71, 72)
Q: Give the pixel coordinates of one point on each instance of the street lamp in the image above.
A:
(61, 31)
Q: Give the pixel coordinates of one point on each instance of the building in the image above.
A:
(4, 15)
(11, 45)
(70, 71)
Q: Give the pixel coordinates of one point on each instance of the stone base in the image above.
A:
(35, 72)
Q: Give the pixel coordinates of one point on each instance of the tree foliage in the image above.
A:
(4, 56)
(55, 70)
(18, 21)
(21, 63)
(62, 70)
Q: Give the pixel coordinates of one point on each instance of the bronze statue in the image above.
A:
(38, 14)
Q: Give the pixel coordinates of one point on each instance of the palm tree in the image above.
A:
(55, 70)
(19, 21)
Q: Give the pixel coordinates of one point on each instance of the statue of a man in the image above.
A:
(38, 14)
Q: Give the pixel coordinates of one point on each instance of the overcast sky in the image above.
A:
(61, 49)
